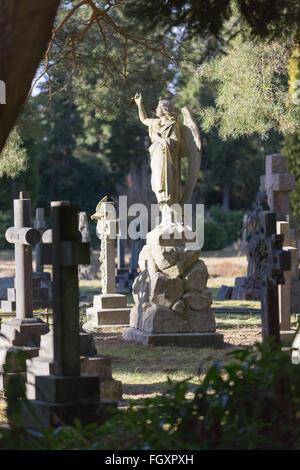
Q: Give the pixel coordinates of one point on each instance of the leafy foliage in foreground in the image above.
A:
(250, 402)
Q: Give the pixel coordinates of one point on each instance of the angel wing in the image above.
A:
(190, 148)
(96, 215)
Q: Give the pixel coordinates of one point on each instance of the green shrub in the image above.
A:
(231, 221)
(215, 237)
(250, 402)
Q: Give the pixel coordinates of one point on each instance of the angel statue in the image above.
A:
(170, 141)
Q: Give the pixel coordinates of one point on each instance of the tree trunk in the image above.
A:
(226, 195)
(25, 31)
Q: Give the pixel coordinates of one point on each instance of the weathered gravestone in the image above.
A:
(66, 394)
(90, 362)
(269, 261)
(278, 184)
(6, 283)
(89, 271)
(24, 331)
(41, 282)
(248, 287)
(109, 308)
(224, 293)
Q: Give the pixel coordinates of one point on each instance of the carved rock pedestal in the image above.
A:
(172, 302)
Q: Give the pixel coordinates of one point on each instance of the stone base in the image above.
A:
(61, 399)
(9, 356)
(100, 366)
(24, 332)
(67, 389)
(186, 340)
(51, 415)
(287, 337)
(107, 310)
(110, 390)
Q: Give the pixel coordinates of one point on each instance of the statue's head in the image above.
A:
(165, 107)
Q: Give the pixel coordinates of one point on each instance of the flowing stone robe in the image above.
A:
(165, 161)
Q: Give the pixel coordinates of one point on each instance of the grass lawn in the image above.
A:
(144, 370)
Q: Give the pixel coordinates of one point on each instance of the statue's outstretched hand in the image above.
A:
(138, 98)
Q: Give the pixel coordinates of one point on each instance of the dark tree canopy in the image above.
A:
(266, 18)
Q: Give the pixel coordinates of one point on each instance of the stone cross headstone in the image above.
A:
(106, 231)
(24, 330)
(269, 261)
(65, 395)
(278, 183)
(24, 237)
(109, 308)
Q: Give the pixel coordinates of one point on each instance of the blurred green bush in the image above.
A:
(222, 228)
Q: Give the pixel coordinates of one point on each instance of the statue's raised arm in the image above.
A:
(142, 113)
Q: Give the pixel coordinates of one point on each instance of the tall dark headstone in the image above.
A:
(66, 394)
